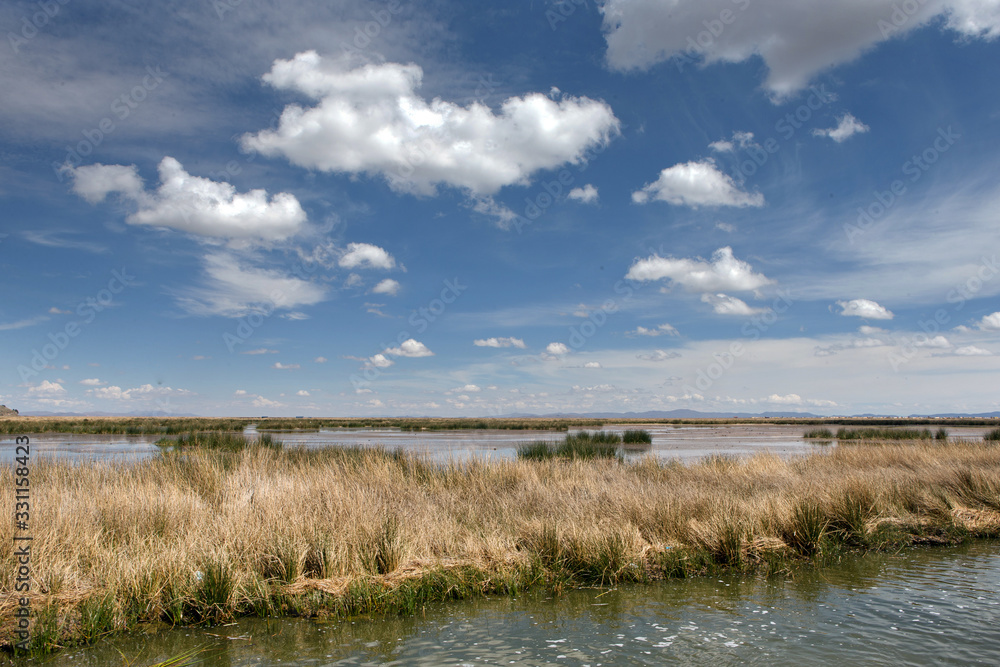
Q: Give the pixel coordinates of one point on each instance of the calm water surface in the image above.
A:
(680, 442)
(921, 607)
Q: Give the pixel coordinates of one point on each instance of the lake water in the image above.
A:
(921, 607)
(681, 442)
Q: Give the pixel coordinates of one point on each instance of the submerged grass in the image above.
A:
(220, 441)
(884, 434)
(211, 533)
(538, 450)
(637, 437)
(590, 445)
(581, 445)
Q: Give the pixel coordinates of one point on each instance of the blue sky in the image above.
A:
(444, 208)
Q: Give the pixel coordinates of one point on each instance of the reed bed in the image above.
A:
(586, 445)
(637, 437)
(219, 440)
(884, 434)
(205, 535)
(176, 425)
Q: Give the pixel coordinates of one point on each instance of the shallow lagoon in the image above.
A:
(684, 442)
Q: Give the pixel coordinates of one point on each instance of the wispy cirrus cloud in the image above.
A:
(21, 324)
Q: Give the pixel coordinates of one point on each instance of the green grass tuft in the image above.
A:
(583, 445)
(637, 437)
(220, 440)
(590, 445)
(383, 551)
(883, 434)
(539, 450)
(807, 528)
(213, 598)
(821, 433)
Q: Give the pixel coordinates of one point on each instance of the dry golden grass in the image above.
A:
(207, 535)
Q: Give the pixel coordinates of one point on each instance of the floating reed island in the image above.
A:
(220, 527)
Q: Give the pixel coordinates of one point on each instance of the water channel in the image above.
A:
(920, 607)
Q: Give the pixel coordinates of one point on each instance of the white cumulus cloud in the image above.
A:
(410, 348)
(847, 127)
(938, 342)
(990, 322)
(193, 204)
(788, 399)
(864, 308)
(366, 256)
(387, 286)
(724, 304)
(724, 272)
(46, 388)
(116, 393)
(697, 184)
(380, 361)
(261, 402)
(499, 342)
(370, 119)
(972, 351)
(557, 348)
(587, 194)
(662, 330)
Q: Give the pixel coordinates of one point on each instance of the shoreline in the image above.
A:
(206, 536)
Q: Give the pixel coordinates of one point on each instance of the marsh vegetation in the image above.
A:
(219, 441)
(206, 534)
(876, 433)
(177, 425)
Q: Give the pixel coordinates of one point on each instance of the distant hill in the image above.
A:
(959, 415)
(7, 412)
